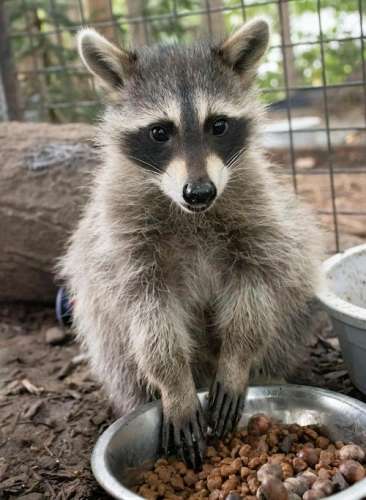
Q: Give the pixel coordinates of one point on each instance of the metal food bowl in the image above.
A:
(344, 297)
(133, 441)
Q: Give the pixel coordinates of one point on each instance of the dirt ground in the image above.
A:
(52, 412)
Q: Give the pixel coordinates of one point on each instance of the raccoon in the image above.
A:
(193, 263)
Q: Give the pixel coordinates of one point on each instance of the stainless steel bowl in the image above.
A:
(133, 441)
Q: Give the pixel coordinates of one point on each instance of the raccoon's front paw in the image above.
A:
(185, 436)
(225, 407)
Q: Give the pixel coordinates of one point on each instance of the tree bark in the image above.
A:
(43, 174)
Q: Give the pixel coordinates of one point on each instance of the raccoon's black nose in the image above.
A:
(199, 193)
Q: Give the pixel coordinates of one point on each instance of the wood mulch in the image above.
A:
(52, 412)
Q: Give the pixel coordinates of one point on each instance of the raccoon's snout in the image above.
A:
(199, 195)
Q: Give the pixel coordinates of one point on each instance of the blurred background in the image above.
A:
(313, 80)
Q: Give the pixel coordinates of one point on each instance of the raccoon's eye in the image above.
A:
(159, 134)
(220, 126)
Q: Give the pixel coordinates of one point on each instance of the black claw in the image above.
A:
(187, 440)
(224, 410)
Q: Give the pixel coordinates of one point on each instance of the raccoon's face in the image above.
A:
(184, 114)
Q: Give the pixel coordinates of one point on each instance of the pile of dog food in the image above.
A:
(267, 461)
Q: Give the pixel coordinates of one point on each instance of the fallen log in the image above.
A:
(44, 171)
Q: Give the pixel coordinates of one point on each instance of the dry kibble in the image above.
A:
(248, 465)
(269, 470)
(352, 452)
(297, 485)
(233, 495)
(164, 473)
(245, 450)
(277, 458)
(339, 483)
(177, 482)
(287, 470)
(259, 424)
(215, 495)
(245, 472)
(147, 492)
(310, 477)
(230, 484)
(254, 463)
(226, 470)
(324, 486)
(324, 474)
(352, 471)
(312, 495)
(299, 464)
(310, 433)
(190, 478)
(253, 484)
(309, 455)
(272, 489)
(322, 442)
(214, 482)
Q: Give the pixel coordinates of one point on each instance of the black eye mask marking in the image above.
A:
(149, 154)
(235, 138)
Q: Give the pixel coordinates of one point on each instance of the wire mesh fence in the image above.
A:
(313, 79)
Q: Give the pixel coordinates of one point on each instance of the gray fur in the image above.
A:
(164, 299)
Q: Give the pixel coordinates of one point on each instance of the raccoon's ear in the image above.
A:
(243, 50)
(103, 59)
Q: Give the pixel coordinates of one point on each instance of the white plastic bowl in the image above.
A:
(343, 295)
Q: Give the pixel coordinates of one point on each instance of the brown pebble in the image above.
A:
(272, 489)
(352, 471)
